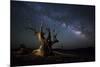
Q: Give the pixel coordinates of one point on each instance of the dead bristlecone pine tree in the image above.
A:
(46, 43)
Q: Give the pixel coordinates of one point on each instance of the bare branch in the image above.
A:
(55, 40)
(32, 29)
(49, 34)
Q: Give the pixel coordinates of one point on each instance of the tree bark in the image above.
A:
(45, 48)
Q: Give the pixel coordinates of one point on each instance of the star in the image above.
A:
(64, 25)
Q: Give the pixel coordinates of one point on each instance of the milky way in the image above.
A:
(74, 24)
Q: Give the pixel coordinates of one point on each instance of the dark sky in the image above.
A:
(74, 24)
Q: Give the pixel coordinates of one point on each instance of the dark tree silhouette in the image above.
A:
(46, 43)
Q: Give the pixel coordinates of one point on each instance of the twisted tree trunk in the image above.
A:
(45, 48)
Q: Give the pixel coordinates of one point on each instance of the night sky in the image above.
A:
(74, 24)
